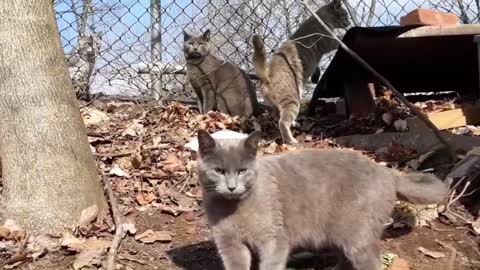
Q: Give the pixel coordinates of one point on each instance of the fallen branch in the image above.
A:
(119, 231)
(384, 81)
(126, 153)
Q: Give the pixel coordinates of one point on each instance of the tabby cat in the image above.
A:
(307, 199)
(219, 85)
(294, 62)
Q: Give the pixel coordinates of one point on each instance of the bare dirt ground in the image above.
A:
(140, 150)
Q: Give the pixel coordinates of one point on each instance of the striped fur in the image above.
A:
(283, 78)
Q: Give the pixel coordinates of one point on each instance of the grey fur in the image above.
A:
(301, 199)
(219, 85)
(310, 47)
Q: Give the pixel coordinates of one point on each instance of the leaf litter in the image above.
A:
(148, 154)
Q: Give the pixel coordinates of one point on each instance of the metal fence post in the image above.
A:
(156, 50)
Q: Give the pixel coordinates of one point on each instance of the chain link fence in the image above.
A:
(134, 47)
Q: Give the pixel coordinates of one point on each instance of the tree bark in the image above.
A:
(86, 13)
(49, 175)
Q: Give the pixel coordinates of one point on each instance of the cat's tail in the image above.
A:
(421, 188)
(260, 60)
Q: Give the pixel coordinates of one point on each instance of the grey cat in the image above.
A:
(283, 78)
(307, 199)
(219, 85)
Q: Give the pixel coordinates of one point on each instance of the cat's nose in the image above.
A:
(231, 188)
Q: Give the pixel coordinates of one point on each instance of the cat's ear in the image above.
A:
(337, 4)
(206, 35)
(251, 142)
(186, 36)
(206, 143)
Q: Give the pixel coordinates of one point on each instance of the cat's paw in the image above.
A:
(295, 124)
(290, 141)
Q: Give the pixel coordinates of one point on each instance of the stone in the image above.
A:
(399, 264)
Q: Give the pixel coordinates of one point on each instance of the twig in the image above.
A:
(453, 255)
(114, 155)
(126, 153)
(119, 231)
(385, 82)
(185, 183)
(21, 255)
(453, 198)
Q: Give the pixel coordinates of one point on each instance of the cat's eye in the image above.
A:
(219, 170)
(242, 171)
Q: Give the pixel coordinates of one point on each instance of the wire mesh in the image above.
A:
(134, 47)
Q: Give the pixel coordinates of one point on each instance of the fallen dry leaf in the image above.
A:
(4, 232)
(432, 254)
(271, 148)
(476, 225)
(150, 236)
(40, 243)
(89, 258)
(79, 245)
(129, 226)
(16, 232)
(94, 117)
(134, 129)
(145, 198)
(71, 242)
(15, 264)
(128, 257)
(116, 170)
(172, 163)
(88, 215)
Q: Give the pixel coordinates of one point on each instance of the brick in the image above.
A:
(429, 17)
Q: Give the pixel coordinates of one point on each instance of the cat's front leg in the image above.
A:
(199, 95)
(208, 100)
(235, 255)
(273, 255)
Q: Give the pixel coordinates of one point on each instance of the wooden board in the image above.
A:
(448, 119)
(442, 30)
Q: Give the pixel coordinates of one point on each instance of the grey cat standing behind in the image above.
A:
(301, 199)
(219, 85)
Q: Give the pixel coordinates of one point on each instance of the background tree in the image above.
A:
(49, 175)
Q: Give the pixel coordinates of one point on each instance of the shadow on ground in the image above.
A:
(199, 256)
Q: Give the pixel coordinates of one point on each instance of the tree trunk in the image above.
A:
(49, 175)
(86, 13)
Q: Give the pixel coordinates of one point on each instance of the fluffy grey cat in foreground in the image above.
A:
(309, 199)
